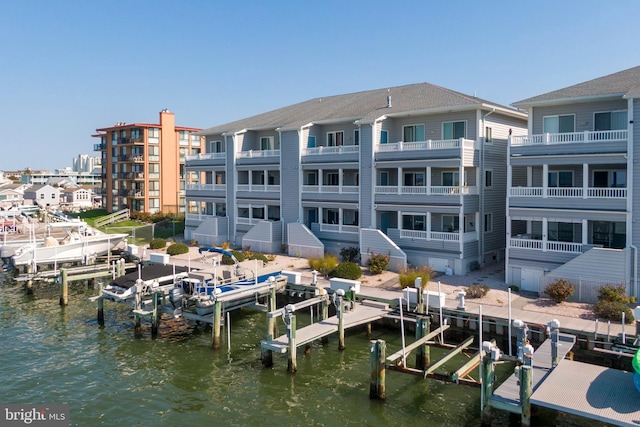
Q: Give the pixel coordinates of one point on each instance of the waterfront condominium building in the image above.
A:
(415, 172)
(571, 203)
(143, 164)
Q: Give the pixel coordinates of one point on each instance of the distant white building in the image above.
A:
(43, 195)
(86, 163)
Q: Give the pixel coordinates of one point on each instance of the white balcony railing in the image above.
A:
(330, 189)
(247, 221)
(258, 187)
(571, 137)
(341, 149)
(253, 154)
(433, 190)
(340, 228)
(206, 187)
(426, 145)
(469, 236)
(197, 216)
(540, 245)
(569, 192)
(205, 156)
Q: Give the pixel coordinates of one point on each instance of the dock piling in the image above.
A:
(377, 386)
(525, 394)
(100, 307)
(217, 314)
(340, 307)
(422, 352)
(138, 302)
(325, 316)
(64, 288)
(155, 317)
(290, 320)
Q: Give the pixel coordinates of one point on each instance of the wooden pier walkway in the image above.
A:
(591, 391)
(507, 395)
(361, 315)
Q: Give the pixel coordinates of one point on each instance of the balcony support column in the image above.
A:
(265, 179)
(340, 181)
(545, 232)
(400, 180)
(585, 183)
(320, 180)
(428, 226)
(585, 232)
(428, 180)
(545, 180)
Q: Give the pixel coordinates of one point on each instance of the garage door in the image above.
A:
(530, 279)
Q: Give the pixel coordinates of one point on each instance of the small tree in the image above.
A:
(408, 279)
(559, 290)
(177, 249)
(158, 243)
(325, 265)
(350, 254)
(377, 263)
(347, 270)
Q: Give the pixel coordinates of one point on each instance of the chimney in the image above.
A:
(388, 101)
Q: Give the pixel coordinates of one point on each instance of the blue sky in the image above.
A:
(69, 67)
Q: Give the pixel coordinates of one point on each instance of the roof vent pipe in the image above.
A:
(388, 101)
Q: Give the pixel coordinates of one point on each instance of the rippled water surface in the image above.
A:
(110, 378)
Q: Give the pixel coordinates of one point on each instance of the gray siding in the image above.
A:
(376, 242)
(584, 113)
(302, 242)
(265, 236)
(290, 184)
(367, 178)
(432, 124)
(231, 183)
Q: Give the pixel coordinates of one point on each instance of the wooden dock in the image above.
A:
(507, 395)
(361, 315)
(591, 391)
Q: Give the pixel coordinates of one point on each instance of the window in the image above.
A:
(559, 124)
(331, 178)
(488, 178)
(266, 143)
(414, 179)
(312, 178)
(136, 134)
(453, 130)
(356, 137)
(488, 222)
(614, 120)
(114, 137)
(221, 209)
(488, 135)
(273, 213)
(384, 178)
(384, 137)
(350, 217)
(311, 141)
(450, 179)
(331, 216)
(335, 139)
(561, 179)
(609, 234)
(257, 213)
(450, 224)
(216, 146)
(154, 132)
(414, 222)
(413, 133)
(610, 179)
(564, 232)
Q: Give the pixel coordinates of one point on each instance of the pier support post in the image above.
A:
(420, 296)
(490, 354)
(325, 316)
(553, 329)
(29, 283)
(138, 301)
(217, 315)
(266, 355)
(64, 288)
(100, 307)
(422, 326)
(155, 319)
(290, 320)
(377, 386)
(340, 307)
(521, 337)
(526, 381)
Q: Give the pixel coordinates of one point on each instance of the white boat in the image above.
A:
(76, 247)
(147, 279)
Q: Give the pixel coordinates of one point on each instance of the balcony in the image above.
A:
(323, 150)
(340, 228)
(248, 221)
(546, 246)
(469, 236)
(444, 144)
(206, 187)
(602, 136)
(350, 189)
(256, 154)
(99, 147)
(569, 192)
(258, 187)
(205, 156)
(424, 190)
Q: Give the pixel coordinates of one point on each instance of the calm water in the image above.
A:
(109, 378)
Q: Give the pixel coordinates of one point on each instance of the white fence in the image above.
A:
(586, 287)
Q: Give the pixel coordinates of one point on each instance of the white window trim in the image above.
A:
(386, 132)
(424, 130)
(560, 115)
(455, 121)
(490, 222)
(488, 187)
(334, 133)
(356, 141)
(271, 143)
(609, 111)
(609, 175)
(442, 217)
(454, 176)
(488, 141)
(573, 177)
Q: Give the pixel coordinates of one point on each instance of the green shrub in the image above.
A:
(350, 254)
(158, 243)
(226, 260)
(560, 290)
(258, 256)
(613, 293)
(325, 265)
(612, 310)
(377, 263)
(477, 290)
(408, 279)
(347, 270)
(177, 249)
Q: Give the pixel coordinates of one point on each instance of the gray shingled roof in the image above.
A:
(366, 106)
(623, 83)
